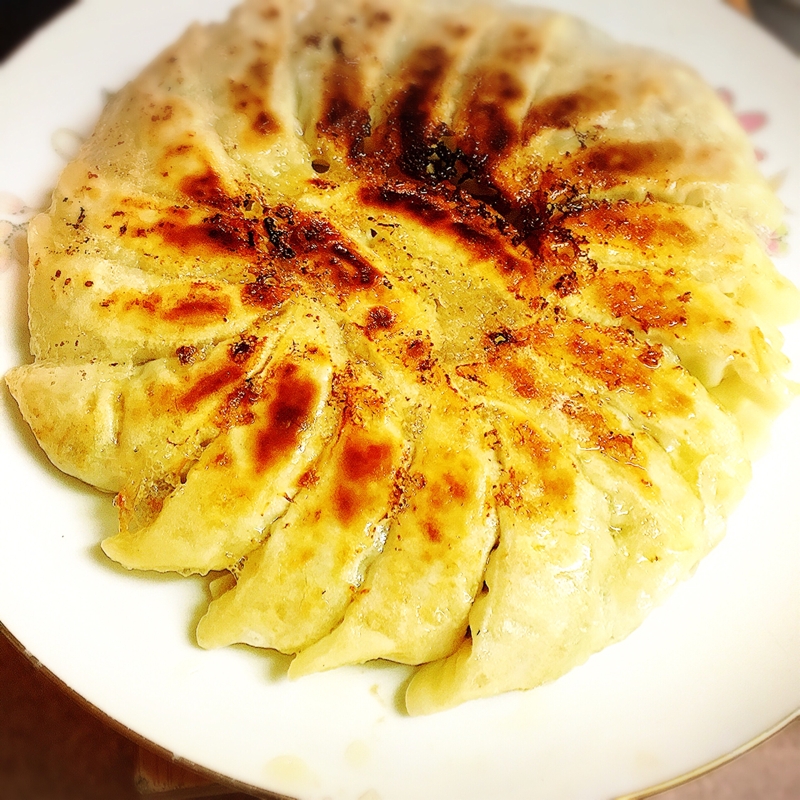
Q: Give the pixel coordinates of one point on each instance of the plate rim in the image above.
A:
(267, 793)
(240, 786)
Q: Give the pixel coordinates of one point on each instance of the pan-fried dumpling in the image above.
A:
(446, 333)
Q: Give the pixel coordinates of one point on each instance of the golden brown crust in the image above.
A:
(439, 331)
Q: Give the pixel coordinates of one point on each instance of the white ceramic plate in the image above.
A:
(709, 671)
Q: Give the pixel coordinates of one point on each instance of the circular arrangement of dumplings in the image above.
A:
(445, 333)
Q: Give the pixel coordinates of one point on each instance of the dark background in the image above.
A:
(19, 18)
(53, 748)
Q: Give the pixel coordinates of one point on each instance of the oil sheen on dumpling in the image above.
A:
(446, 334)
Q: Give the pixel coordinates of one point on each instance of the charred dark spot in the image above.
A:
(502, 85)
(483, 241)
(651, 356)
(522, 381)
(458, 30)
(567, 110)
(379, 318)
(432, 531)
(488, 130)
(409, 130)
(210, 385)
(492, 133)
(447, 211)
(241, 350)
(345, 119)
(284, 212)
(247, 96)
(363, 461)
(352, 268)
(532, 218)
(407, 199)
(277, 237)
(334, 257)
(618, 446)
(377, 19)
(79, 221)
(289, 413)
(308, 479)
(445, 164)
(566, 284)
(607, 165)
(498, 338)
(264, 123)
(206, 189)
(418, 349)
(186, 354)
(164, 115)
(456, 489)
(217, 232)
(311, 251)
(418, 356)
(201, 305)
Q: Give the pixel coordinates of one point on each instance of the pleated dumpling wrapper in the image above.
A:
(447, 334)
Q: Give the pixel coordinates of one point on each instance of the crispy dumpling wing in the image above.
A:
(295, 588)
(446, 335)
(414, 603)
(247, 475)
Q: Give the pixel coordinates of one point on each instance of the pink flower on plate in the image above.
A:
(751, 121)
(776, 243)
